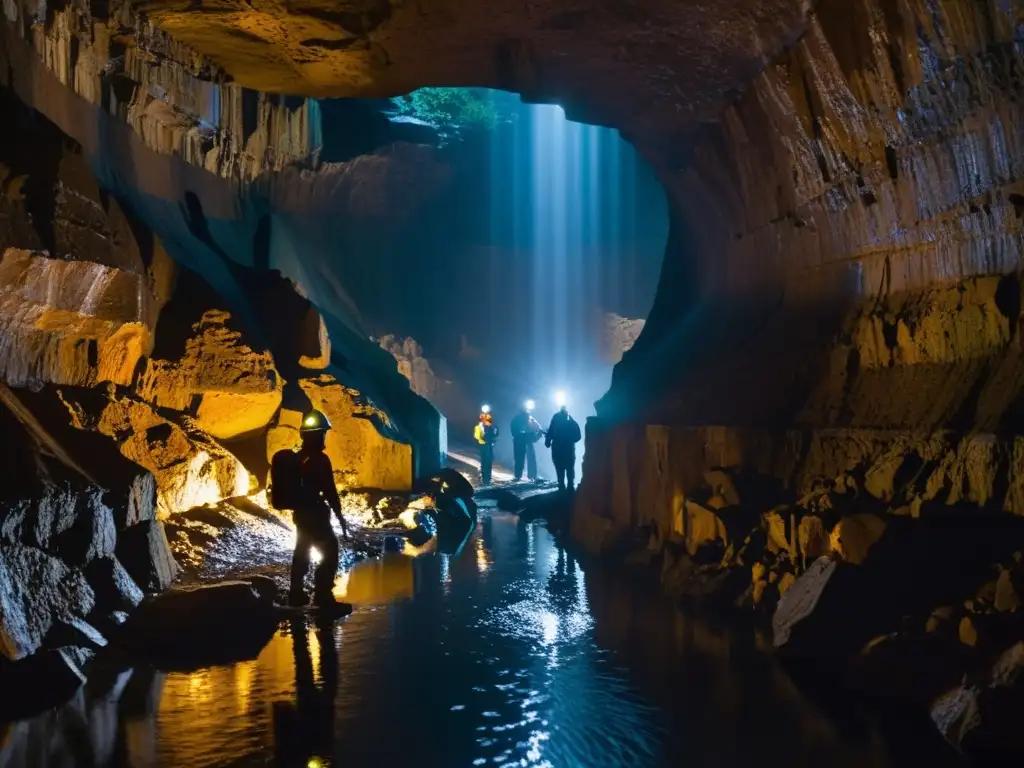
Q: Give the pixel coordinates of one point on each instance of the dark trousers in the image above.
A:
(322, 537)
(565, 466)
(486, 462)
(524, 453)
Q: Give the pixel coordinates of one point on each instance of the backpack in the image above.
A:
(286, 480)
(574, 431)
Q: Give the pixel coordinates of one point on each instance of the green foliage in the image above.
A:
(450, 108)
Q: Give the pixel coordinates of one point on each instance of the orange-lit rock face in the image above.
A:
(666, 62)
(70, 322)
(360, 455)
(229, 388)
(191, 469)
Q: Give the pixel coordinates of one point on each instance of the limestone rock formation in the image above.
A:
(228, 388)
(38, 591)
(619, 336)
(69, 322)
(190, 468)
(202, 626)
(62, 588)
(147, 559)
(360, 455)
(980, 720)
(412, 364)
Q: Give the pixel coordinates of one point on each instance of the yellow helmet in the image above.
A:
(315, 421)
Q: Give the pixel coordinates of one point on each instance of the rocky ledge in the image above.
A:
(880, 563)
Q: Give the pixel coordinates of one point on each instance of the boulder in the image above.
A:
(146, 556)
(805, 604)
(36, 591)
(129, 489)
(114, 588)
(42, 681)
(721, 484)
(92, 535)
(853, 536)
(75, 632)
(200, 626)
(983, 720)
(228, 388)
(700, 528)
(190, 468)
(913, 667)
(317, 343)
(1006, 597)
(70, 322)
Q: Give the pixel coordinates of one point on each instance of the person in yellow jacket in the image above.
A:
(486, 434)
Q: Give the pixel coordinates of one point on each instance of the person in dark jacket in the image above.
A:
(525, 432)
(313, 516)
(563, 434)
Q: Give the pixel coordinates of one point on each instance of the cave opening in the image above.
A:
(529, 269)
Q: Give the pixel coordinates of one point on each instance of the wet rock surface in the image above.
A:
(200, 626)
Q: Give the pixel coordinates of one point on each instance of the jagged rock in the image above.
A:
(983, 720)
(413, 365)
(146, 556)
(227, 387)
(447, 481)
(75, 632)
(36, 591)
(799, 608)
(93, 534)
(42, 681)
(190, 468)
(699, 527)
(320, 358)
(70, 322)
(265, 587)
(114, 588)
(776, 524)
(620, 334)
(968, 631)
(1006, 597)
(853, 536)
(721, 484)
(200, 626)
(128, 489)
(360, 455)
(813, 539)
(908, 666)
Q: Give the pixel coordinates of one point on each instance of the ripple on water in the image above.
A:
(503, 657)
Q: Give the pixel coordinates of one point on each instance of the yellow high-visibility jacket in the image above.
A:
(478, 433)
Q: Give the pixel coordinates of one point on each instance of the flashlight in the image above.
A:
(529, 405)
(485, 408)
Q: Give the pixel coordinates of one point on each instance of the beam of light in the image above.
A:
(463, 458)
(485, 408)
(560, 398)
(529, 405)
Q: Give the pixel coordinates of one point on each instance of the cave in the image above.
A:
(797, 532)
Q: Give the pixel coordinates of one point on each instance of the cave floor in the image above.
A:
(510, 652)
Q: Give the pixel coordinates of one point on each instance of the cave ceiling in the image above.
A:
(649, 67)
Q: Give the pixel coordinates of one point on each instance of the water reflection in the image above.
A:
(506, 654)
(304, 731)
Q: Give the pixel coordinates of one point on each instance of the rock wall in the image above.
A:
(225, 214)
(78, 545)
(619, 335)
